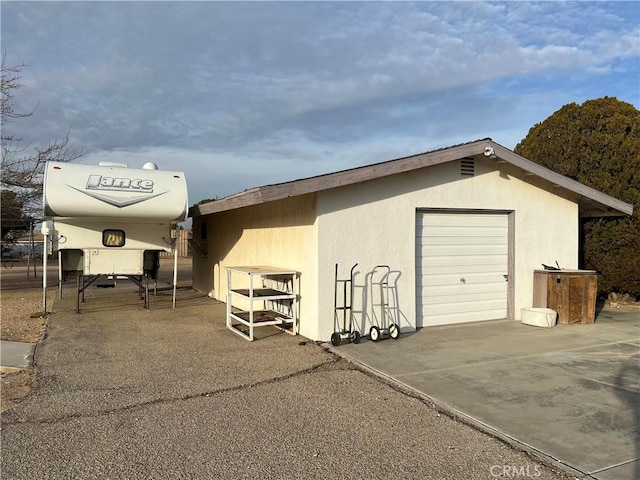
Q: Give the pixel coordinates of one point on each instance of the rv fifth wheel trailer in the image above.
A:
(111, 220)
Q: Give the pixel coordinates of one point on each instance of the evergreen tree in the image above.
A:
(598, 144)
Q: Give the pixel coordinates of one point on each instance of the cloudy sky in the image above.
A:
(243, 94)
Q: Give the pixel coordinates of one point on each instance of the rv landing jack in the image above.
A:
(142, 281)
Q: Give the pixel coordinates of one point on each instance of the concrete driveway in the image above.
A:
(571, 392)
(125, 393)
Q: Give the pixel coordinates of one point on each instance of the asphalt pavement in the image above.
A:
(122, 392)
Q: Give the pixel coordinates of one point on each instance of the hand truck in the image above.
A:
(344, 330)
(380, 299)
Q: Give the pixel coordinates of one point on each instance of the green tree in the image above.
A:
(598, 144)
(11, 212)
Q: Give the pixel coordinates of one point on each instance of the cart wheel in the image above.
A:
(335, 339)
(354, 337)
(374, 333)
(394, 331)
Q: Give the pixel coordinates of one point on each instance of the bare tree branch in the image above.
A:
(22, 166)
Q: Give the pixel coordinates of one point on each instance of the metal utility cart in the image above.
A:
(380, 298)
(278, 293)
(343, 330)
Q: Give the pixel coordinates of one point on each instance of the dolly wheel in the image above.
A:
(394, 331)
(335, 339)
(354, 337)
(374, 333)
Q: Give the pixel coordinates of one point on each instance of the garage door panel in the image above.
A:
(445, 292)
(487, 260)
(461, 260)
(472, 302)
(456, 302)
(452, 318)
(445, 219)
(468, 240)
(469, 285)
(462, 308)
(461, 251)
(467, 231)
(469, 274)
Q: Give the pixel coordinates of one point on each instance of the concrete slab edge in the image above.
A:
(463, 417)
(22, 357)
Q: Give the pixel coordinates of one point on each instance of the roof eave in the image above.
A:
(342, 178)
(592, 202)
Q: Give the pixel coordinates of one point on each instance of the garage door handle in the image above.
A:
(506, 277)
(462, 280)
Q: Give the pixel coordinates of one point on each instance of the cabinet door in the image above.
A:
(540, 289)
(577, 298)
(105, 261)
(558, 291)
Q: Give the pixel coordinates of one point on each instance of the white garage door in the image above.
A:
(461, 267)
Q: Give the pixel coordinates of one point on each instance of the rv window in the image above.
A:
(113, 238)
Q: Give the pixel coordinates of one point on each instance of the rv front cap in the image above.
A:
(99, 182)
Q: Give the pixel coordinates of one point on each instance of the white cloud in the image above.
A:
(285, 88)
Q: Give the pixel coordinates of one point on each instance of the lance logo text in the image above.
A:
(98, 182)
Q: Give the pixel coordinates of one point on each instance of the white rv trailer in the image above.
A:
(112, 220)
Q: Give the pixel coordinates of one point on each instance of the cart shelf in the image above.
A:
(263, 317)
(263, 293)
(277, 291)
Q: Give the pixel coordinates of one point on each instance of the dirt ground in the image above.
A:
(23, 318)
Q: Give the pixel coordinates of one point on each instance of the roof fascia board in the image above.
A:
(562, 181)
(270, 193)
(366, 173)
(238, 200)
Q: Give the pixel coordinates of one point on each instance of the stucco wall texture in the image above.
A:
(373, 223)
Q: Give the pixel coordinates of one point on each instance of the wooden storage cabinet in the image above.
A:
(266, 296)
(571, 293)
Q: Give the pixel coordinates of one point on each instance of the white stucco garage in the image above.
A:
(461, 228)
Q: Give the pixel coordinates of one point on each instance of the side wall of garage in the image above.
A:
(279, 234)
(374, 223)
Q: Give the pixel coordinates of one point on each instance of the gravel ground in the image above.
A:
(126, 393)
(23, 320)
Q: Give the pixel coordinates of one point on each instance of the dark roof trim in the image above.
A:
(598, 202)
(594, 202)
